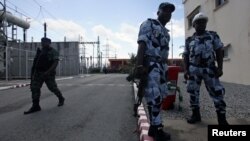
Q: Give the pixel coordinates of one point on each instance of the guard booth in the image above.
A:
(172, 76)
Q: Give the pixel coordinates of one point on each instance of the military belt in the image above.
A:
(201, 65)
(155, 59)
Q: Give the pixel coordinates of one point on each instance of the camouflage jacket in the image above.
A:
(44, 59)
(200, 50)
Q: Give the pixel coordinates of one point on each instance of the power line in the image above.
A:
(41, 9)
(16, 10)
(51, 15)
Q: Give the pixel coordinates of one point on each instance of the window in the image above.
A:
(226, 52)
(219, 3)
(191, 16)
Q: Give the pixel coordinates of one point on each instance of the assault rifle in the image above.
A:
(141, 82)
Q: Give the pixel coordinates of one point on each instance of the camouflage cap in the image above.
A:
(46, 40)
(167, 4)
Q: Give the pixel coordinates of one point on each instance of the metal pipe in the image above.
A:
(7, 16)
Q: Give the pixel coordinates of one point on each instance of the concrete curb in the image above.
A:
(143, 122)
(14, 86)
(27, 84)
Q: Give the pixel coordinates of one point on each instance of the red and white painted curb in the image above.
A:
(143, 122)
(14, 86)
(20, 85)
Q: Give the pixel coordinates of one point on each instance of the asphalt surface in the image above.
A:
(97, 108)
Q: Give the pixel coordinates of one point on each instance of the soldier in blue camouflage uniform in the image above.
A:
(152, 58)
(202, 50)
(43, 70)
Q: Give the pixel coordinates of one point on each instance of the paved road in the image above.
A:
(97, 108)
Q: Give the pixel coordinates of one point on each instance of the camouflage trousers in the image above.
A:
(155, 91)
(213, 86)
(37, 81)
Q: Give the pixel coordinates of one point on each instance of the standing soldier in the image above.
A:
(43, 70)
(152, 55)
(202, 50)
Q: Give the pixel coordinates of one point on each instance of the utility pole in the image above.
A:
(93, 56)
(6, 42)
(14, 32)
(107, 52)
(87, 65)
(84, 56)
(98, 51)
(45, 29)
(25, 35)
(101, 60)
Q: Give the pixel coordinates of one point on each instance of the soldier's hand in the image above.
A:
(218, 72)
(140, 71)
(186, 75)
(44, 74)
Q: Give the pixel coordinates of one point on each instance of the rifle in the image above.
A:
(141, 84)
(140, 93)
(34, 65)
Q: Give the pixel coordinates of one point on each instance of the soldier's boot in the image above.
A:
(35, 108)
(222, 118)
(156, 131)
(195, 117)
(61, 100)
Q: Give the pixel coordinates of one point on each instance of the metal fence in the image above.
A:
(20, 58)
(20, 62)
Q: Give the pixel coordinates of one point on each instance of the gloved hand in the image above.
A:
(186, 75)
(44, 75)
(140, 71)
(218, 72)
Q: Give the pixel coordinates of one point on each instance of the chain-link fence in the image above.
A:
(20, 58)
(20, 62)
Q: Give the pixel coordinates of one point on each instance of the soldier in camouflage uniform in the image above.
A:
(43, 70)
(202, 50)
(152, 58)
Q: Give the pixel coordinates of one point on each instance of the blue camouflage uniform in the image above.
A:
(156, 38)
(201, 53)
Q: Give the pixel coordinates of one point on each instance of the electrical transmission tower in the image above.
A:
(98, 50)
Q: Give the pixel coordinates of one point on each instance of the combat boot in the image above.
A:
(196, 116)
(35, 108)
(156, 131)
(61, 101)
(222, 118)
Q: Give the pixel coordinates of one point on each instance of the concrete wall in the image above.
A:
(232, 23)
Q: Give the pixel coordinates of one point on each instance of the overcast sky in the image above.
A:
(115, 21)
